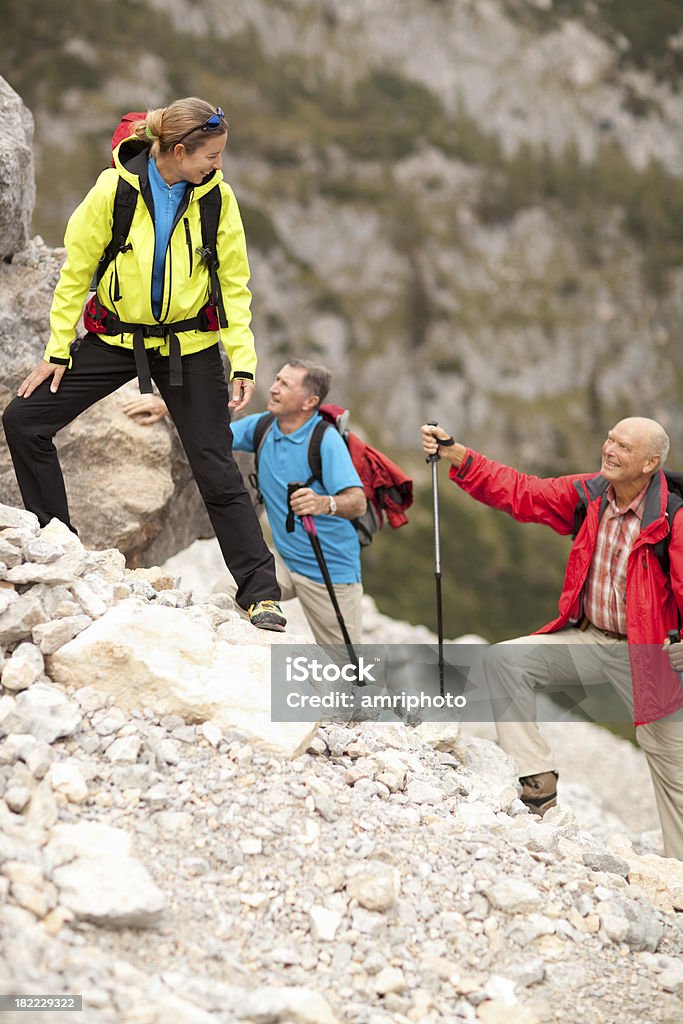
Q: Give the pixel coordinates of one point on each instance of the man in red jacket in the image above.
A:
(616, 606)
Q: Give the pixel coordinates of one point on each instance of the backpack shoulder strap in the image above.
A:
(595, 486)
(674, 503)
(210, 206)
(263, 425)
(315, 462)
(125, 201)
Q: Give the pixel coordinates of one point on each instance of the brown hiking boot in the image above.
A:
(539, 792)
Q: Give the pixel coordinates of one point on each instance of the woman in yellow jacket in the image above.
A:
(162, 304)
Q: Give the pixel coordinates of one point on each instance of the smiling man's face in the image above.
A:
(627, 455)
(287, 394)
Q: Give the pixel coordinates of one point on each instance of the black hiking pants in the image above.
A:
(199, 410)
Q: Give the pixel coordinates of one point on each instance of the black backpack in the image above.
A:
(125, 202)
(674, 502)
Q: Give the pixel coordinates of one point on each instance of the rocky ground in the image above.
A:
(172, 868)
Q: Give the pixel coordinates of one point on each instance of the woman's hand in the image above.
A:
(38, 374)
(242, 393)
(147, 409)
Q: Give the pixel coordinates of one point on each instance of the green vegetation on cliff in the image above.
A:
(356, 147)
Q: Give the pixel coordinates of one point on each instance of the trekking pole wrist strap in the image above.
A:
(446, 442)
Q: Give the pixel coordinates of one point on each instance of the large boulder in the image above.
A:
(129, 485)
(17, 181)
(146, 656)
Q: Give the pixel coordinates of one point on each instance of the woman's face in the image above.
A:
(206, 158)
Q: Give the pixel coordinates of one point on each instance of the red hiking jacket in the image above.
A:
(654, 601)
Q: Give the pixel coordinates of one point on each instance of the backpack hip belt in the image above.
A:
(108, 323)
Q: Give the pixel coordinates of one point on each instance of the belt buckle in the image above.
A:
(155, 331)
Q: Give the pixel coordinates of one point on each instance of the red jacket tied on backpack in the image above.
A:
(654, 600)
(386, 486)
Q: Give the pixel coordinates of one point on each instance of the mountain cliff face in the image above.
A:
(472, 211)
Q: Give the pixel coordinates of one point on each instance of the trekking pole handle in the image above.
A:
(674, 636)
(306, 521)
(435, 457)
(309, 525)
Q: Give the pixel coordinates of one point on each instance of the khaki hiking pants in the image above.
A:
(516, 669)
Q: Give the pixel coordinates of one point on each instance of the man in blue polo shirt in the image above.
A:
(297, 391)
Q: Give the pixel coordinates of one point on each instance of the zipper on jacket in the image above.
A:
(169, 263)
(188, 239)
(178, 217)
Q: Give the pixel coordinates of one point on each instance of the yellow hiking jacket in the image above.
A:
(186, 283)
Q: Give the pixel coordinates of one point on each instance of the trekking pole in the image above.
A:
(309, 526)
(434, 459)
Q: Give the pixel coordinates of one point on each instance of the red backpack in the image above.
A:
(124, 129)
(388, 490)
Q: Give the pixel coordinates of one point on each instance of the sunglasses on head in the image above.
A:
(216, 120)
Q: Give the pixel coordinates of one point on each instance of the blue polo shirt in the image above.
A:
(284, 459)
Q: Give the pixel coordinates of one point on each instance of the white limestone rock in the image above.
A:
(113, 892)
(17, 518)
(86, 839)
(24, 667)
(67, 777)
(109, 564)
(514, 896)
(44, 712)
(94, 596)
(375, 885)
(294, 1005)
(20, 615)
(50, 636)
(324, 923)
(147, 656)
(39, 550)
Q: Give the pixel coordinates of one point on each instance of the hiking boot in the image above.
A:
(539, 792)
(267, 615)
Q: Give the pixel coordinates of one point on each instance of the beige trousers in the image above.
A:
(516, 669)
(318, 607)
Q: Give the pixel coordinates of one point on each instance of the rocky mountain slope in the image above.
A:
(169, 854)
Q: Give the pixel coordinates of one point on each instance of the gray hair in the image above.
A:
(318, 379)
(661, 445)
(651, 434)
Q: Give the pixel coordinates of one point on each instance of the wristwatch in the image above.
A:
(333, 505)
